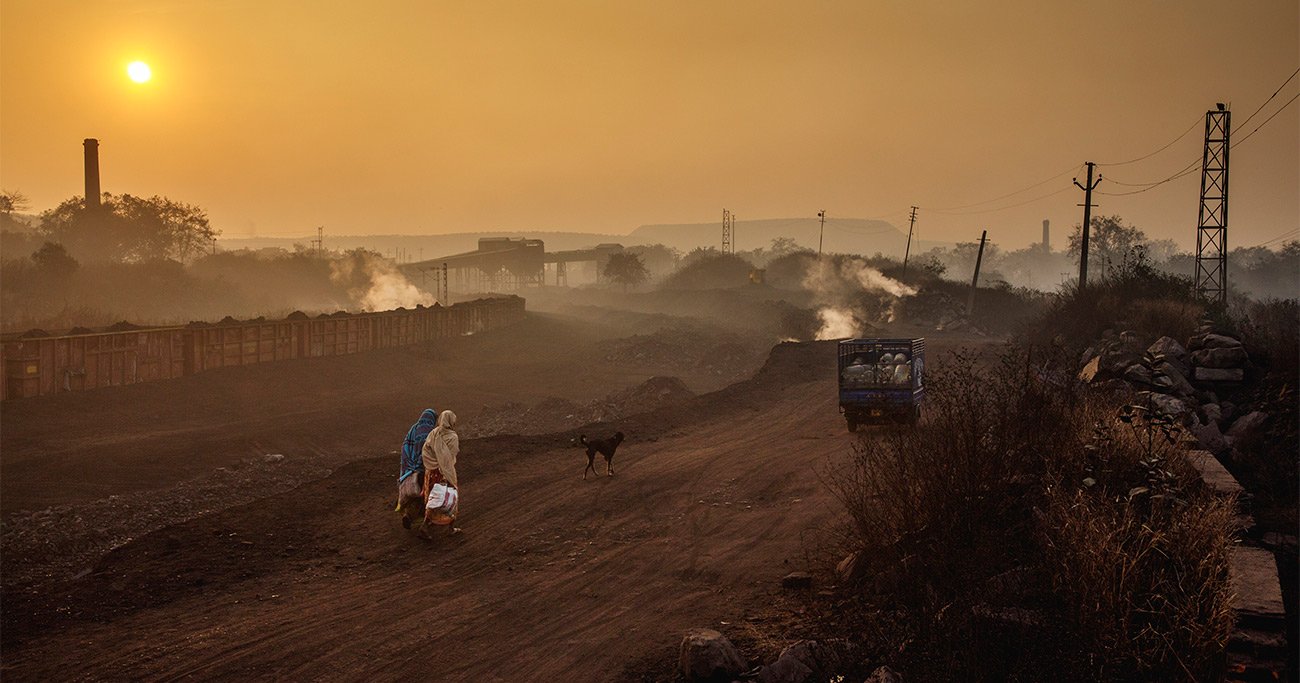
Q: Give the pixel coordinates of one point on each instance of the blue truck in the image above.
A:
(881, 380)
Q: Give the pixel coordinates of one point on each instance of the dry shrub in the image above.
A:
(948, 502)
(1154, 318)
(1271, 329)
(1143, 586)
(1138, 554)
(1027, 527)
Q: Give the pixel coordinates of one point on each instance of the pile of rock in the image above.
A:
(1217, 358)
(1179, 381)
(706, 655)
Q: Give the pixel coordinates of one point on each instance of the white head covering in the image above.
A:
(446, 445)
(443, 445)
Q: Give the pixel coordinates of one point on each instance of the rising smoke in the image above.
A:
(376, 284)
(850, 295)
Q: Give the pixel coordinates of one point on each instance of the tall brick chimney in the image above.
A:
(1047, 235)
(92, 172)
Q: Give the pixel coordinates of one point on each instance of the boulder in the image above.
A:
(1247, 424)
(884, 675)
(1130, 339)
(797, 580)
(807, 660)
(1210, 438)
(1223, 357)
(1219, 374)
(1115, 361)
(1175, 380)
(785, 669)
(1138, 373)
(849, 569)
(1213, 413)
(707, 655)
(1163, 404)
(1090, 371)
(1169, 348)
(1220, 341)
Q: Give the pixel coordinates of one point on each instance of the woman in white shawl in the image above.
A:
(439, 456)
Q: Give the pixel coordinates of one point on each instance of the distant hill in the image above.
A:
(849, 235)
(846, 235)
(424, 246)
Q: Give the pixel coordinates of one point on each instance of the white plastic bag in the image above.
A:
(442, 498)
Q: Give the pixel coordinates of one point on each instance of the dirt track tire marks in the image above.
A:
(553, 578)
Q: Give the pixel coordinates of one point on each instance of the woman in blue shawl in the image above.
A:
(410, 474)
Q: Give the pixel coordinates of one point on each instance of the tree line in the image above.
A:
(123, 228)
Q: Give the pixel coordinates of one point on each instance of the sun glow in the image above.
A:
(139, 72)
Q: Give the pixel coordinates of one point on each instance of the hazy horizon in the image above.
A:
(411, 119)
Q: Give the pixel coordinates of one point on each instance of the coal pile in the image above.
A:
(721, 355)
(559, 414)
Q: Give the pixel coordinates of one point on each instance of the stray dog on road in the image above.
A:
(605, 447)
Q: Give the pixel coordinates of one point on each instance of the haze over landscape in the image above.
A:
(589, 340)
(421, 118)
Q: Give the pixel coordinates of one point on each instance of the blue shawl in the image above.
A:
(414, 444)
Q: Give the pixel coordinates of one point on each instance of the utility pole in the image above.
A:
(1087, 220)
(911, 223)
(821, 215)
(1212, 224)
(975, 281)
(446, 287)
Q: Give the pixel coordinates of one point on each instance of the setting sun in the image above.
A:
(139, 72)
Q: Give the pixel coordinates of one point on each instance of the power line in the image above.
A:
(1066, 172)
(1270, 97)
(1279, 238)
(1191, 128)
(1000, 208)
(843, 224)
(1191, 166)
(1270, 118)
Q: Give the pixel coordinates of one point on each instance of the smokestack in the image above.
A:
(92, 172)
(1047, 235)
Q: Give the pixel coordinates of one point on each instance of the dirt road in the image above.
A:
(553, 578)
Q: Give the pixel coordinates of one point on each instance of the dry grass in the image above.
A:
(1026, 528)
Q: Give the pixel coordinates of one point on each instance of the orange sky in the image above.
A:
(429, 117)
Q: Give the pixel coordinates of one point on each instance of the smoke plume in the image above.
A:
(850, 295)
(375, 284)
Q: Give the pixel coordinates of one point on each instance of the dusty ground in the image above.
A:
(311, 577)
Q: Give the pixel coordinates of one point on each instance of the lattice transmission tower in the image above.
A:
(728, 232)
(1212, 224)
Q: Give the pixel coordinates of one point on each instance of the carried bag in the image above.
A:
(442, 498)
